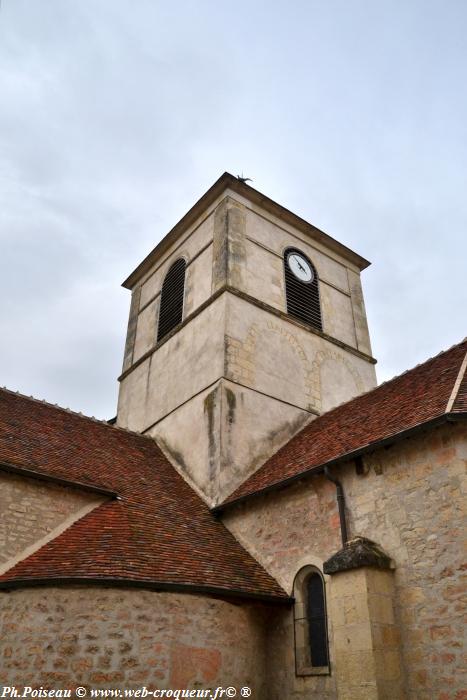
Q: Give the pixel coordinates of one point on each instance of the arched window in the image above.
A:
(171, 304)
(310, 623)
(301, 288)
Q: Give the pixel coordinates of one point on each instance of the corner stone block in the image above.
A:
(365, 636)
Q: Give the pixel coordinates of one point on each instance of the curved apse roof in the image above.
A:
(158, 532)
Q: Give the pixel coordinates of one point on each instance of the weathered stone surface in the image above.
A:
(145, 335)
(286, 531)
(411, 503)
(366, 636)
(131, 330)
(358, 552)
(279, 372)
(409, 500)
(30, 510)
(124, 639)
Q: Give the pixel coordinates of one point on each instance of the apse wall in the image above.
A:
(96, 637)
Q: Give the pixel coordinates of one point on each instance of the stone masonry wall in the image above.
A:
(236, 330)
(124, 638)
(285, 531)
(365, 635)
(30, 509)
(410, 503)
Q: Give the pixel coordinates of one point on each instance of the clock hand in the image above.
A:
(301, 266)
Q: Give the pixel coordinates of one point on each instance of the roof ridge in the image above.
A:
(78, 414)
(388, 381)
(424, 362)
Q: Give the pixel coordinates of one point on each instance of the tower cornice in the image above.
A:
(228, 181)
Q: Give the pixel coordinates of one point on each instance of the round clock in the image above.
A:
(300, 267)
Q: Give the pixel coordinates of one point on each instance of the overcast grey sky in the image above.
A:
(116, 116)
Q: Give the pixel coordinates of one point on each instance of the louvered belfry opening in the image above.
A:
(302, 297)
(316, 613)
(171, 306)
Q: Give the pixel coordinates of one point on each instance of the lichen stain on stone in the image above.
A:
(231, 405)
(287, 430)
(358, 552)
(209, 405)
(274, 440)
(174, 454)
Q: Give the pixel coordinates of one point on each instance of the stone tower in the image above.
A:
(261, 328)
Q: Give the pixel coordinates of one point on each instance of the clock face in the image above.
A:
(300, 267)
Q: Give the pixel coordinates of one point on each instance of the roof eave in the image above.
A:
(44, 476)
(365, 449)
(154, 585)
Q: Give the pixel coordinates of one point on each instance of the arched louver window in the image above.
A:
(171, 306)
(301, 288)
(316, 615)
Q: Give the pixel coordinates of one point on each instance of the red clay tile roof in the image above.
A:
(416, 397)
(160, 533)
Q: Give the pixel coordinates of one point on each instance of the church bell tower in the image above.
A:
(246, 322)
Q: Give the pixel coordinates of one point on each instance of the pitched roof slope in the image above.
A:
(409, 400)
(160, 532)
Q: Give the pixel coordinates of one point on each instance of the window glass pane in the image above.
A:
(316, 614)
